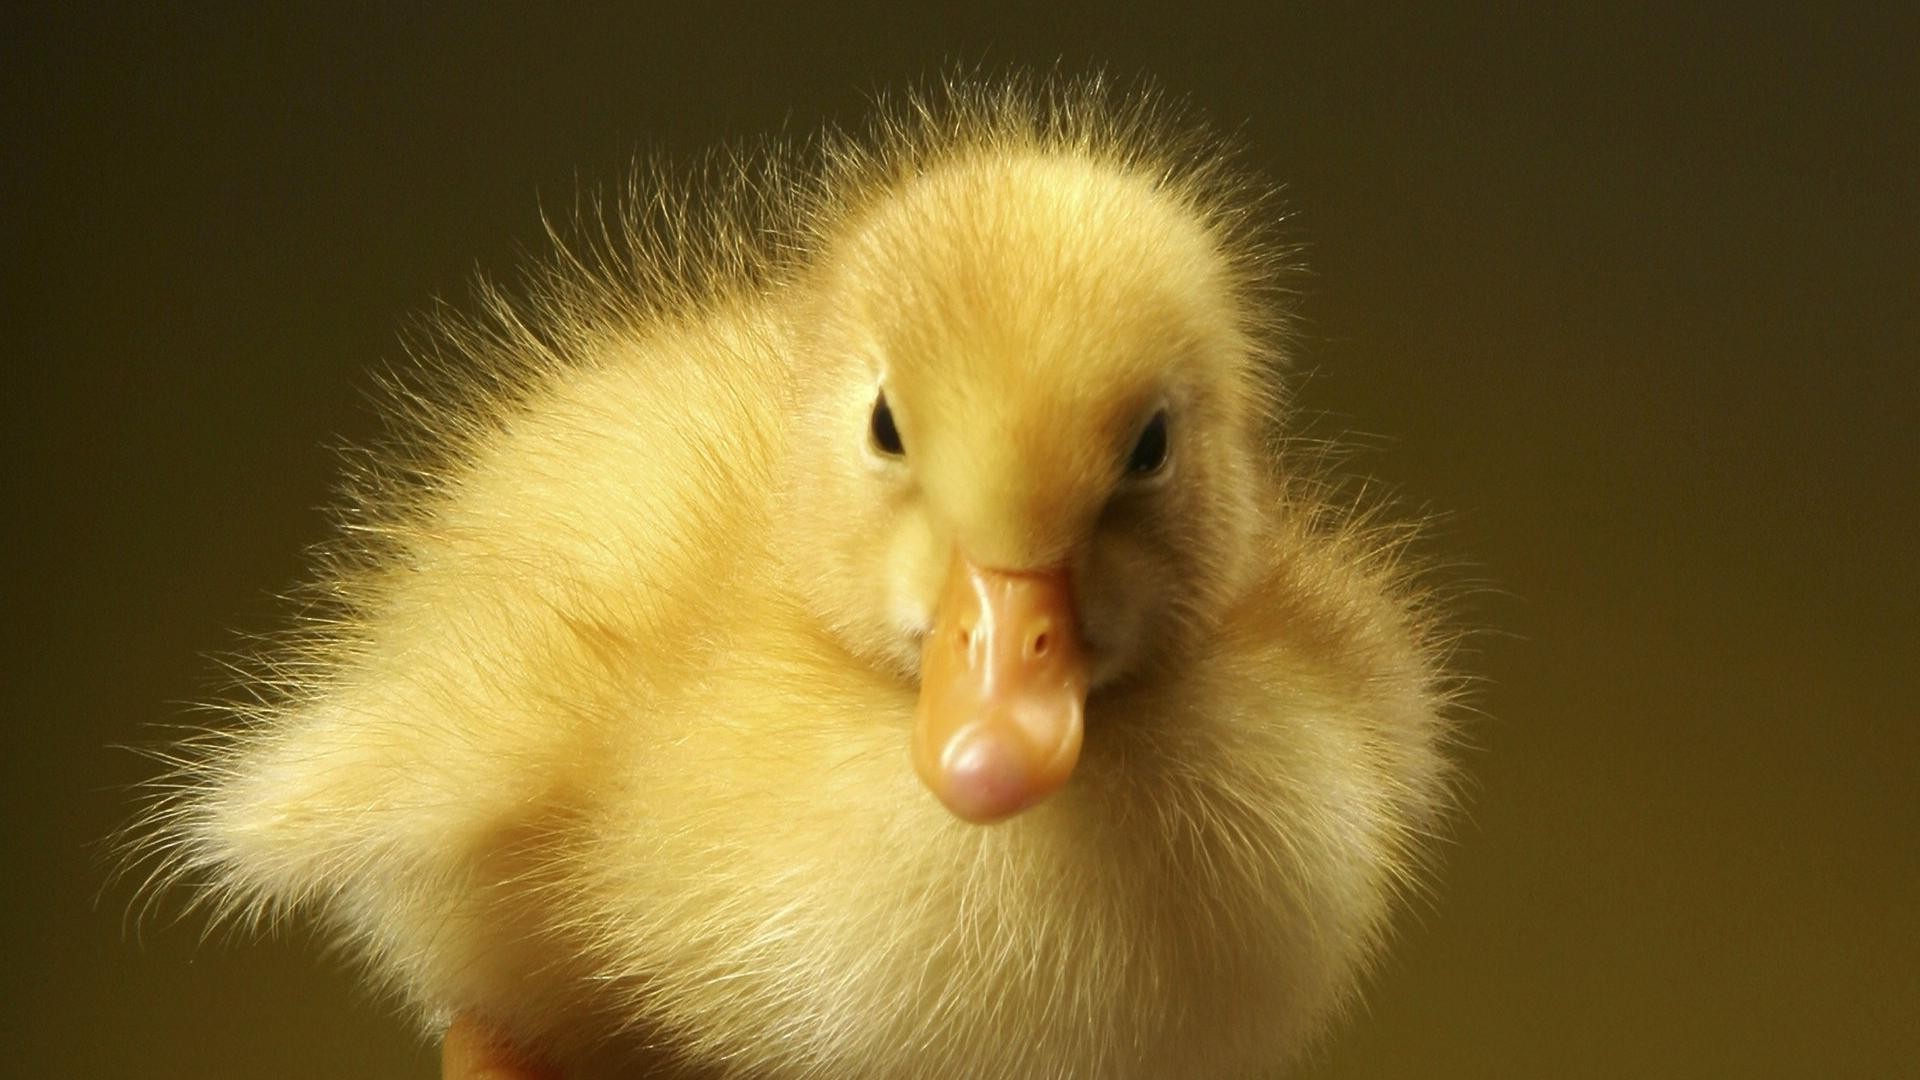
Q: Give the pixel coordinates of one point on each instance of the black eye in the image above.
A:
(885, 436)
(1151, 451)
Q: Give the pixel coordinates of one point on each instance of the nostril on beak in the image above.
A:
(1037, 644)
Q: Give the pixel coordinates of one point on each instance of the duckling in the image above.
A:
(871, 623)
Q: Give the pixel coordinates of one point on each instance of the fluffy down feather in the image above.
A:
(601, 729)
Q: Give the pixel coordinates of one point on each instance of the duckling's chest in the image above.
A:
(794, 880)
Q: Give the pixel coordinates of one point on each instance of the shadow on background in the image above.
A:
(1631, 297)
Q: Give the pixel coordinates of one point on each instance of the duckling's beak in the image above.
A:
(1003, 691)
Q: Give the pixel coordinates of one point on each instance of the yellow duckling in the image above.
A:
(866, 629)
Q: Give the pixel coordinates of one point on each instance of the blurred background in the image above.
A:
(1630, 297)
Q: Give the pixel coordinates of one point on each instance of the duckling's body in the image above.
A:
(609, 743)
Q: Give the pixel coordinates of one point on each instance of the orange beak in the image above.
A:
(1003, 691)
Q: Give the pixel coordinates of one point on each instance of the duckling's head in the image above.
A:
(1032, 461)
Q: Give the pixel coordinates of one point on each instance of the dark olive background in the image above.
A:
(1631, 297)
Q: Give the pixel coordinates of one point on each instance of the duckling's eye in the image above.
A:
(886, 437)
(1151, 451)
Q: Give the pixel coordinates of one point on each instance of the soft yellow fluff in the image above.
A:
(605, 735)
